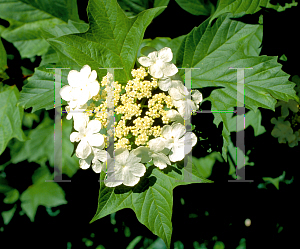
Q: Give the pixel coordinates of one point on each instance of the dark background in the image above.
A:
(228, 204)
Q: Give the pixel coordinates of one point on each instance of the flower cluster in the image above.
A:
(149, 118)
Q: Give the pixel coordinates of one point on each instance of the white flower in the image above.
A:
(184, 105)
(127, 170)
(98, 157)
(77, 113)
(173, 115)
(167, 82)
(159, 159)
(87, 135)
(175, 137)
(82, 87)
(159, 63)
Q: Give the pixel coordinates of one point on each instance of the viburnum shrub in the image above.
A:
(150, 126)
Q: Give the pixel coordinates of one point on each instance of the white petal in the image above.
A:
(156, 70)
(165, 54)
(74, 79)
(173, 115)
(93, 126)
(197, 96)
(66, 93)
(131, 180)
(175, 94)
(178, 130)
(143, 153)
(132, 159)
(137, 169)
(80, 124)
(121, 157)
(95, 139)
(153, 56)
(93, 76)
(85, 163)
(101, 155)
(166, 131)
(160, 160)
(75, 137)
(93, 88)
(165, 83)
(85, 71)
(188, 135)
(177, 154)
(157, 144)
(98, 166)
(83, 149)
(145, 61)
(169, 69)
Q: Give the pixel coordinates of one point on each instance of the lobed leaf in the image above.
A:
(151, 199)
(27, 17)
(11, 116)
(214, 49)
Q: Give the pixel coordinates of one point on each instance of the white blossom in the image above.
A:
(185, 106)
(82, 87)
(159, 63)
(159, 159)
(175, 136)
(87, 135)
(98, 157)
(127, 170)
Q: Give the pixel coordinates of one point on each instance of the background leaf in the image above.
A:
(29, 16)
(134, 7)
(197, 7)
(251, 118)
(40, 146)
(249, 7)
(151, 199)
(48, 194)
(11, 116)
(110, 42)
(207, 48)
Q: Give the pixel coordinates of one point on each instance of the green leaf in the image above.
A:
(110, 42)
(40, 146)
(38, 93)
(3, 57)
(29, 17)
(11, 116)
(242, 244)
(233, 159)
(134, 242)
(198, 7)
(219, 245)
(29, 118)
(134, 7)
(151, 199)
(249, 7)
(157, 244)
(275, 181)
(4, 187)
(11, 196)
(251, 118)
(7, 215)
(227, 40)
(204, 165)
(48, 194)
